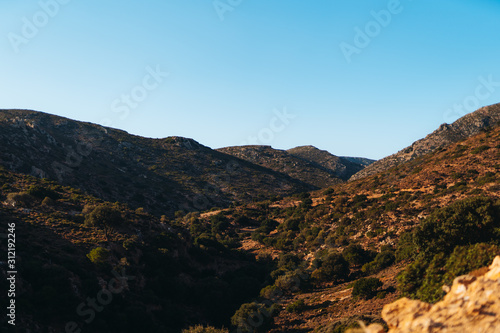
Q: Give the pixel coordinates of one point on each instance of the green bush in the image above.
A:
(105, 217)
(423, 280)
(267, 226)
(333, 268)
(366, 287)
(469, 221)
(383, 260)
(406, 248)
(203, 329)
(447, 243)
(21, 199)
(40, 192)
(253, 318)
(270, 292)
(291, 281)
(99, 255)
(289, 261)
(356, 255)
(297, 306)
(47, 202)
(480, 149)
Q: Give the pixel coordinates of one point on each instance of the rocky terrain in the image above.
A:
(446, 134)
(319, 261)
(472, 304)
(161, 175)
(340, 167)
(308, 164)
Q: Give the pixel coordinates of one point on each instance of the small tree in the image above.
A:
(252, 318)
(99, 256)
(333, 268)
(366, 287)
(105, 217)
(356, 255)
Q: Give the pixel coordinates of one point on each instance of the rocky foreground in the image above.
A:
(472, 304)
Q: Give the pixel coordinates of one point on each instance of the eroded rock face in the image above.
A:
(471, 305)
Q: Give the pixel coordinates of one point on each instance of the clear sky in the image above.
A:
(358, 78)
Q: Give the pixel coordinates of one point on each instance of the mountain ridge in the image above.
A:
(161, 175)
(446, 134)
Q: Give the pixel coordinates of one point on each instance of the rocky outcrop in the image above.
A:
(472, 304)
(446, 134)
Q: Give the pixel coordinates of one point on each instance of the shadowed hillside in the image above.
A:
(161, 175)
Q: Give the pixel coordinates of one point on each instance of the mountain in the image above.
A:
(359, 160)
(308, 164)
(314, 261)
(340, 167)
(161, 175)
(373, 222)
(446, 134)
(284, 162)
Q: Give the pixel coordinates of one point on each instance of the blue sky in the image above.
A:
(222, 71)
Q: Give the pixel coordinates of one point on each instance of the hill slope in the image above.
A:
(308, 164)
(161, 175)
(446, 134)
(286, 163)
(340, 167)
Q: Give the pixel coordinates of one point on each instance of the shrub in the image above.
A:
(105, 217)
(289, 261)
(267, 226)
(480, 149)
(47, 202)
(406, 248)
(270, 292)
(297, 306)
(469, 221)
(252, 317)
(382, 260)
(423, 279)
(366, 287)
(40, 192)
(356, 255)
(203, 329)
(22, 199)
(289, 282)
(99, 255)
(333, 268)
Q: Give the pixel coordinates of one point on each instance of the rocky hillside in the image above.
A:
(161, 175)
(340, 167)
(283, 162)
(457, 187)
(472, 304)
(446, 134)
(308, 164)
